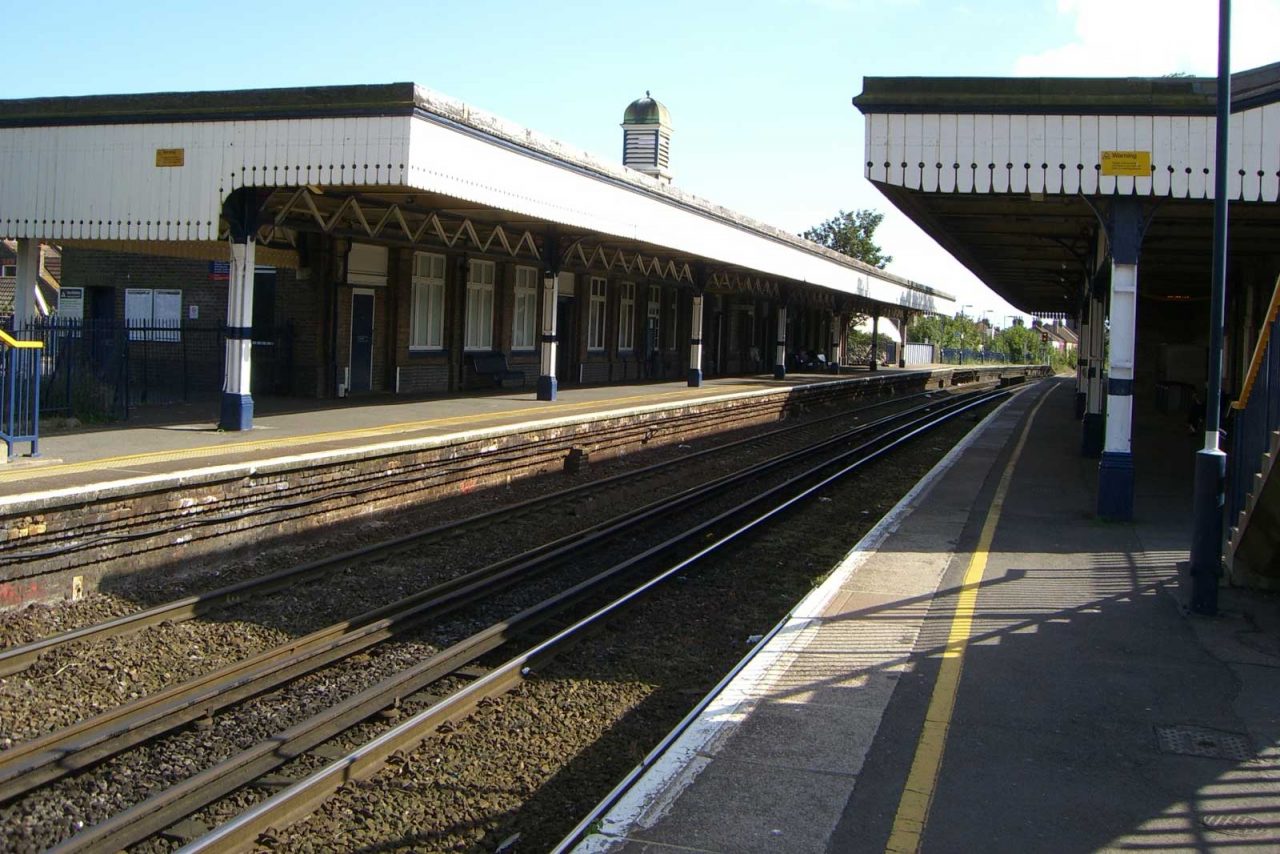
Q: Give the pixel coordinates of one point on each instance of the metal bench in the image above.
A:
(494, 366)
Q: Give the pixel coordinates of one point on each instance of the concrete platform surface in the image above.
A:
(1033, 687)
(176, 439)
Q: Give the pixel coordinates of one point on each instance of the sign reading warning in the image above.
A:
(1136, 164)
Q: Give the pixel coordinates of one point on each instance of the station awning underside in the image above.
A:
(1007, 174)
(391, 164)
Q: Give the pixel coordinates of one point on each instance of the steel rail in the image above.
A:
(162, 810)
(28, 765)
(303, 797)
(18, 658)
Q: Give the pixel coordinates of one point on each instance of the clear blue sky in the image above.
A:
(759, 91)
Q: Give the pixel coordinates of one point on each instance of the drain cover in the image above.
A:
(1236, 825)
(1202, 741)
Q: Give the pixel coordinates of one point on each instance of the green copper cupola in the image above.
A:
(646, 138)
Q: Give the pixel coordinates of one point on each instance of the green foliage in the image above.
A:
(947, 332)
(852, 233)
(1020, 343)
(1015, 344)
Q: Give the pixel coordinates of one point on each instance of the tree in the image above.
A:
(852, 233)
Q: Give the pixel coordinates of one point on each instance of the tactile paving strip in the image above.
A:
(1202, 741)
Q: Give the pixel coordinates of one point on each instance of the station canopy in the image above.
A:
(1012, 175)
(393, 164)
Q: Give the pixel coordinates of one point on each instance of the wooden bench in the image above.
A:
(494, 366)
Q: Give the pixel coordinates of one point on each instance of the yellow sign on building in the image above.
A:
(170, 156)
(1136, 164)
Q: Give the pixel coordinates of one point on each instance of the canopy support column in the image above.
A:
(695, 327)
(241, 212)
(1115, 472)
(875, 340)
(547, 386)
(780, 352)
(24, 288)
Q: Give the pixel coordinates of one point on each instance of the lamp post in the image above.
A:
(1211, 462)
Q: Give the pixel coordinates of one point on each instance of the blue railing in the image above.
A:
(1256, 415)
(20, 392)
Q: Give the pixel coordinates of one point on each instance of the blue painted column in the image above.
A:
(240, 210)
(237, 402)
(1093, 344)
(1082, 360)
(1115, 472)
(875, 339)
(902, 336)
(695, 341)
(780, 353)
(835, 354)
(547, 386)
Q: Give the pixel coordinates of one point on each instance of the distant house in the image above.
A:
(1058, 335)
(47, 282)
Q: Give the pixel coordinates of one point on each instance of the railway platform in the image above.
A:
(160, 493)
(990, 669)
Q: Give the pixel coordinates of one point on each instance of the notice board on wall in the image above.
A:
(153, 314)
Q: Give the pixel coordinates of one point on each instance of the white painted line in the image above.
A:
(651, 796)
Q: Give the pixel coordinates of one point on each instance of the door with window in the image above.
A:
(361, 362)
(567, 336)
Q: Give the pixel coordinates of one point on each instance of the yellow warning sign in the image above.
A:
(171, 156)
(1136, 164)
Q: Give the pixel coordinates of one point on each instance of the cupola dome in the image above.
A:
(646, 138)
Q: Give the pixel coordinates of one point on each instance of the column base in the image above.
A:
(1115, 487)
(1094, 435)
(874, 365)
(1081, 400)
(237, 412)
(1207, 504)
(695, 378)
(779, 372)
(547, 388)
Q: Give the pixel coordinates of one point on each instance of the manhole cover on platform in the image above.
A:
(1202, 741)
(1236, 825)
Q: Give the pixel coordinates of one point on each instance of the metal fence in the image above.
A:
(104, 369)
(19, 394)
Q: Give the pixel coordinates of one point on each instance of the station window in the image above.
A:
(627, 317)
(426, 317)
(596, 315)
(653, 317)
(525, 313)
(671, 320)
(480, 279)
(9, 271)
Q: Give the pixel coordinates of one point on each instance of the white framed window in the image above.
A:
(627, 317)
(524, 314)
(596, 315)
(653, 316)
(426, 314)
(480, 279)
(8, 271)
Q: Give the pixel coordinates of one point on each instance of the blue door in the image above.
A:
(361, 342)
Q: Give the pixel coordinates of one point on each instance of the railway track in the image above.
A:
(34, 764)
(17, 658)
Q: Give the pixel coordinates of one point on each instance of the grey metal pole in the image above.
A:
(1211, 462)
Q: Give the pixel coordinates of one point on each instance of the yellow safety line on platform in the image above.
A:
(152, 457)
(917, 796)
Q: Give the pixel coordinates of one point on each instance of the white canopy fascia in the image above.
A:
(166, 181)
(1061, 154)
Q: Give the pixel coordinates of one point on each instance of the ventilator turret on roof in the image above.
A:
(646, 138)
